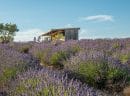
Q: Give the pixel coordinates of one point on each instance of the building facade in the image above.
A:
(63, 34)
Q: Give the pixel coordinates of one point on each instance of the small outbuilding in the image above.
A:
(63, 34)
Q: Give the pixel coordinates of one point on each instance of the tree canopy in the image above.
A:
(7, 32)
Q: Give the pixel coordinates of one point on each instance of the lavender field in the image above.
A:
(98, 67)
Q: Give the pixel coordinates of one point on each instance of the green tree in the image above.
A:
(7, 32)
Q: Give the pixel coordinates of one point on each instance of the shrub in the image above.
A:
(123, 55)
(21, 47)
(49, 83)
(24, 49)
(116, 74)
(43, 52)
(97, 70)
(57, 58)
(92, 71)
(44, 56)
(12, 63)
(116, 45)
(7, 75)
(124, 58)
(73, 49)
(50, 54)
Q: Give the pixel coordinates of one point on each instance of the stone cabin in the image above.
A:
(63, 34)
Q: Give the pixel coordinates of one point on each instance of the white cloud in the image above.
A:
(27, 35)
(69, 25)
(98, 18)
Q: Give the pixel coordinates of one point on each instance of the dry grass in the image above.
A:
(127, 91)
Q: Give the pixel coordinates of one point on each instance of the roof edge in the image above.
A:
(52, 30)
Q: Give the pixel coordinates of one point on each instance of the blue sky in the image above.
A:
(96, 18)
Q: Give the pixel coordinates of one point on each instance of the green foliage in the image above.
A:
(24, 48)
(7, 75)
(75, 49)
(116, 79)
(10, 72)
(116, 45)
(124, 57)
(51, 90)
(32, 83)
(7, 32)
(92, 72)
(116, 74)
(98, 73)
(57, 58)
(48, 91)
(43, 56)
(19, 89)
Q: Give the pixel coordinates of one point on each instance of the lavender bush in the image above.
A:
(98, 70)
(20, 46)
(12, 63)
(101, 64)
(49, 83)
(51, 54)
(95, 59)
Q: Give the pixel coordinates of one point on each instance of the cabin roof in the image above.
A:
(53, 31)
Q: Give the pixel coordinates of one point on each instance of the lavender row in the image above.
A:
(12, 63)
(49, 83)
